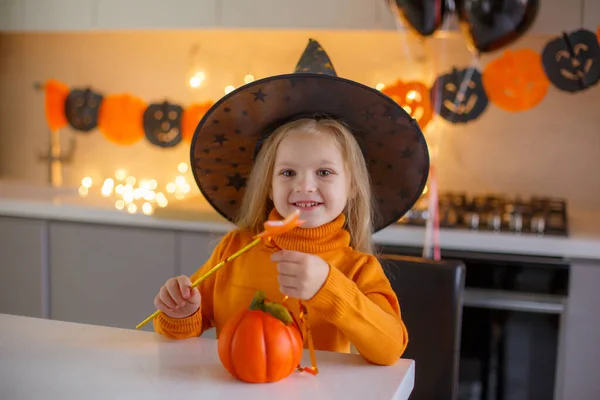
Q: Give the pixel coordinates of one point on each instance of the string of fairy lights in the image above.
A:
(134, 195)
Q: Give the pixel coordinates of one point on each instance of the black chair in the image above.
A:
(430, 295)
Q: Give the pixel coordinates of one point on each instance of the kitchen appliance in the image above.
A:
(491, 212)
(512, 309)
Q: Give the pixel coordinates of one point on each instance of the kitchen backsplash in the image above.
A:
(551, 150)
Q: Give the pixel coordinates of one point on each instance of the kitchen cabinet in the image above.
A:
(579, 357)
(194, 250)
(555, 16)
(155, 14)
(23, 268)
(107, 275)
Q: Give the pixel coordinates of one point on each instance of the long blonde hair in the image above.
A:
(256, 203)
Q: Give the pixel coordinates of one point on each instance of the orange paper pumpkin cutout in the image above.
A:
(54, 107)
(120, 119)
(191, 118)
(414, 98)
(261, 343)
(516, 81)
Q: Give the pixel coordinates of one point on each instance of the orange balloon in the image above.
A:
(413, 96)
(191, 118)
(121, 119)
(54, 107)
(516, 81)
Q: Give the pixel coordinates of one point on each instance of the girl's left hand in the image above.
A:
(301, 275)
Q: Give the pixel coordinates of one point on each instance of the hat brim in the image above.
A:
(224, 142)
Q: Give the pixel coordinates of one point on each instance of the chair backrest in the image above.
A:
(430, 295)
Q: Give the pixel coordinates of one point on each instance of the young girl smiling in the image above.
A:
(312, 151)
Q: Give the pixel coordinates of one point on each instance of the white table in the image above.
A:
(46, 359)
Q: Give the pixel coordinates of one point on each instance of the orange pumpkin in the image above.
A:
(121, 119)
(261, 344)
(56, 95)
(516, 81)
(191, 118)
(414, 98)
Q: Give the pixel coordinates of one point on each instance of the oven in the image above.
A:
(512, 309)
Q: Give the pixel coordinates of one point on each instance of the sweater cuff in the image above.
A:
(180, 325)
(332, 300)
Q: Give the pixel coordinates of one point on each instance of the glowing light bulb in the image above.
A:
(412, 95)
(248, 78)
(380, 86)
(180, 180)
(147, 208)
(130, 180)
(83, 191)
(153, 184)
(182, 167)
(86, 182)
(120, 189)
(197, 79)
(132, 208)
(121, 174)
(109, 182)
(119, 204)
(106, 191)
(171, 187)
(185, 188)
(229, 89)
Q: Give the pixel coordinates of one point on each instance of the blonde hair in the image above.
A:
(256, 203)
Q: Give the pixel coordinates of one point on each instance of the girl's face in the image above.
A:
(310, 175)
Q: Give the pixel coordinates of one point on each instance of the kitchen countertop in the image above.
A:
(194, 214)
(48, 359)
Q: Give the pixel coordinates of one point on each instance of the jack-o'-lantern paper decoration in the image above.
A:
(414, 98)
(162, 124)
(121, 119)
(54, 106)
(516, 81)
(459, 96)
(81, 108)
(191, 118)
(572, 61)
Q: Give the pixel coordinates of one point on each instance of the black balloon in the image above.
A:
(492, 24)
(423, 16)
(572, 61)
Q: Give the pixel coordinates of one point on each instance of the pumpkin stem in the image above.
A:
(260, 303)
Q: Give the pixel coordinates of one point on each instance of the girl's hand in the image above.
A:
(176, 298)
(301, 275)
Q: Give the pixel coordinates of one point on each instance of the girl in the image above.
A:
(317, 165)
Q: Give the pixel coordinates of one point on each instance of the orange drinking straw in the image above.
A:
(272, 228)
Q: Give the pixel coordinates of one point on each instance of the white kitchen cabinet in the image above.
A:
(108, 275)
(12, 15)
(195, 249)
(293, 14)
(23, 267)
(156, 14)
(58, 15)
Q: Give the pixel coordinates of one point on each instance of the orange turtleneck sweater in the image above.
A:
(356, 304)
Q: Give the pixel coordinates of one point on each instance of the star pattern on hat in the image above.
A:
(404, 193)
(407, 152)
(237, 181)
(368, 115)
(259, 95)
(220, 138)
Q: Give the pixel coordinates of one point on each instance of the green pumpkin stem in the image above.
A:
(260, 303)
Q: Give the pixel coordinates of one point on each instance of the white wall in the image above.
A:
(551, 150)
